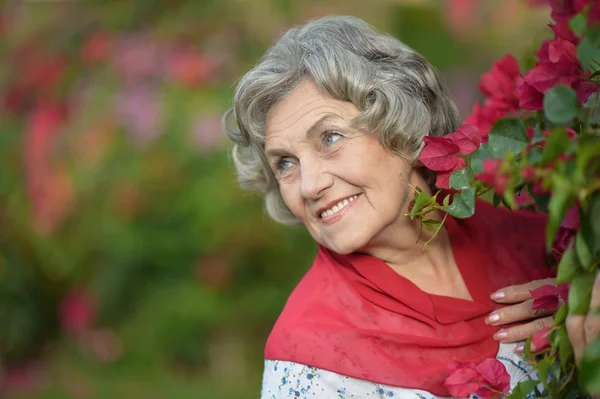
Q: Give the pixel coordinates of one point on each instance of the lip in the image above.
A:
(338, 215)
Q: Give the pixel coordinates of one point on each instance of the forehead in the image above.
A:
(304, 106)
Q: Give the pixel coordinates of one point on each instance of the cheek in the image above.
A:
(292, 199)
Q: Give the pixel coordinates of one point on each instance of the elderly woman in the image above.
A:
(330, 124)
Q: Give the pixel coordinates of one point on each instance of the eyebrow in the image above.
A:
(310, 133)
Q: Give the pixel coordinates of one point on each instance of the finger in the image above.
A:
(514, 313)
(576, 334)
(591, 325)
(519, 293)
(523, 331)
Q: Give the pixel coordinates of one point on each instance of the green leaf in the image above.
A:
(421, 200)
(568, 267)
(534, 156)
(557, 144)
(589, 227)
(577, 24)
(543, 366)
(478, 156)
(583, 251)
(497, 200)
(580, 294)
(561, 314)
(538, 136)
(460, 179)
(507, 135)
(589, 372)
(560, 201)
(463, 204)
(431, 224)
(446, 200)
(560, 104)
(588, 50)
(565, 349)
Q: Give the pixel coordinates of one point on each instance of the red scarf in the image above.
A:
(355, 316)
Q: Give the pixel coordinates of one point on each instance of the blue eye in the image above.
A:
(330, 138)
(284, 164)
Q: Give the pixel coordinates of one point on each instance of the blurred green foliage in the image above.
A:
(131, 264)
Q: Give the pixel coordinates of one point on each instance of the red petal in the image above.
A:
(443, 180)
(539, 340)
(439, 154)
(545, 290)
(545, 297)
(462, 382)
(467, 138)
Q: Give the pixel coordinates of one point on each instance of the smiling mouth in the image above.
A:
(338, 207)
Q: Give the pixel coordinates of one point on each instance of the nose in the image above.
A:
(314, 179)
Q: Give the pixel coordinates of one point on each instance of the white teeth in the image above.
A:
(337, 207)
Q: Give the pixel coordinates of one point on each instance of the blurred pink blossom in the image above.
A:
(23, 379)
(207, 132)
(190, 68)
(139, 111)
(103, 346)
(77, 312)
(49, 187)
(138, 57)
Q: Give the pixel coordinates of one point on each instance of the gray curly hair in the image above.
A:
(399, 94)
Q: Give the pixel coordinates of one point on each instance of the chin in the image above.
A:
(346, 245)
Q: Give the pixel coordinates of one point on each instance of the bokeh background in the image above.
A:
(131, 265)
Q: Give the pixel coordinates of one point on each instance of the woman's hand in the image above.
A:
(520, 309)
(583, 329)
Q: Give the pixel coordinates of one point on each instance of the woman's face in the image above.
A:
(340, 182)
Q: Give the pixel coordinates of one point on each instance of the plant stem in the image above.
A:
(436, 232)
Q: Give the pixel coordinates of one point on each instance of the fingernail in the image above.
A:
(598, 278)
(497, 295)
(492, 318)
(500, 335)
(519, 348)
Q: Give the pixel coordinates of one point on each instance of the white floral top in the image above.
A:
(284, 379)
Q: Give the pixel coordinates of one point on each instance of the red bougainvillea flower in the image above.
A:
(539, 340)
(441, 154)
(499, 85)
(545, 297)
(486, 380)
(495, 377)
(558, 65)
(463, 380)
(484, 118)
(563, 291)
(493, 175)
(77, 313)
(567, 231)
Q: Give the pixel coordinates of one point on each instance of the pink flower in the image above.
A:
(493, 176)
(563, 291)
(499, 85)
(189, 68)
(558, 65)
(463, 380)
(485, 380)
(441, 154)
(545, 297)
(495, 377)
(484, 118)
(539, 340)
(567, 230)
(77, 313)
